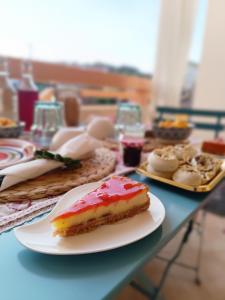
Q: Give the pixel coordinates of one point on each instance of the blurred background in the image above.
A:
(109, 52)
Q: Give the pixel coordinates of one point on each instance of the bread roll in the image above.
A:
(167, 175)
(188, 175)
(162, 160)
(207, 165)
(100, 128)
(184, 153)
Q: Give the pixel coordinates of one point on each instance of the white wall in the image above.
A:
(210, 88)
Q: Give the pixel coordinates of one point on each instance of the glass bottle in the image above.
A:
(27, 94)
(8, 94)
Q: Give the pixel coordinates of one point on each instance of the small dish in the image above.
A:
(12, 131)
(172, 133)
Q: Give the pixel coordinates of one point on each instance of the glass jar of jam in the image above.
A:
(132, 149)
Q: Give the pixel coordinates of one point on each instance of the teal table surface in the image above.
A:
(28, 275)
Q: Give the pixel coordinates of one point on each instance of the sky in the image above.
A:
(119, 32)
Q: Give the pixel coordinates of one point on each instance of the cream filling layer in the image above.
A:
(113, 208)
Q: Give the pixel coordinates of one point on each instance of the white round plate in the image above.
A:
(14, 151)
(38, 236)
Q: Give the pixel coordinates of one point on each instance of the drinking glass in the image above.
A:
(48, 118)
(129, 120)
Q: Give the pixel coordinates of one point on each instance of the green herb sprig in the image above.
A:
(67, 161)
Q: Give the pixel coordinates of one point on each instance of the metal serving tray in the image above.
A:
(201, 188)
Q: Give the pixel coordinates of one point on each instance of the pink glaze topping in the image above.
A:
(115, 189)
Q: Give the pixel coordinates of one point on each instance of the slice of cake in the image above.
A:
(116, 199)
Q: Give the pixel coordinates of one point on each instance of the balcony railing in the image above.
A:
(92, 84)
(95, 83)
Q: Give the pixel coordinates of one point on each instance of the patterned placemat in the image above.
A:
(60, 181)
(13, 214)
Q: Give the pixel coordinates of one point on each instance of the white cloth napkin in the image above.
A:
(63, 135)
(99, 128)
(79, 147)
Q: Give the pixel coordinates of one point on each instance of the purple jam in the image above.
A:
(132, 148)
